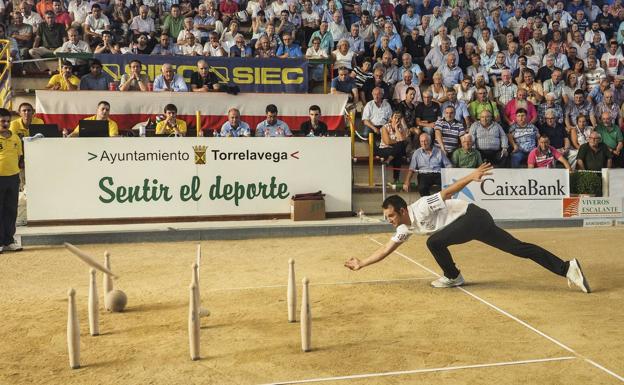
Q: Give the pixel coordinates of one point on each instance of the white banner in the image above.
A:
(590, 207)
(515, 193)
(615, 180)
(104, 178)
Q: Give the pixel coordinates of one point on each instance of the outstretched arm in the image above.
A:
(476, 175)
(381, 253)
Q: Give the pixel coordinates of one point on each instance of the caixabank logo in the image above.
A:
(202, 154)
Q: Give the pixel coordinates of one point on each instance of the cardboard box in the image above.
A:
(307, 210)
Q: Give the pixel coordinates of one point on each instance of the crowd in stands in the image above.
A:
(439, 83)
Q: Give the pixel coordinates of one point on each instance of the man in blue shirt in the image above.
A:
(272, 126)
(288, 49)
(95, 79)
(169, 80)
(344, 84)
(234, 127)
(428, 162)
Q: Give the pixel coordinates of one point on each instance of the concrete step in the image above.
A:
(29, 83)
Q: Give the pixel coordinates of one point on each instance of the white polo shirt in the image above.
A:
(430, 214)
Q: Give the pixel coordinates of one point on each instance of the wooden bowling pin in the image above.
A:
(193, 323)
(306, 318)
(107, 280)
(291, 292)
(73, 331)
(94, 306)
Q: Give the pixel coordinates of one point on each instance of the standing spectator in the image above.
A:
(204, 80)
(427, 162)
(64, 80)
(168, 80)
(96, 79)
(523, 138)
(272, 126)
(234, 127)
(594, 155)
(135, 80)
(448, 131)
(314, 126)
(466, 156)
(544, 155)
(490, 139)
(171, 125)
(10, 153)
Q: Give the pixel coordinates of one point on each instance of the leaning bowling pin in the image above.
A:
(193, 323)
(292, 292)
(107, 280)
(306, 318)
(94, 306)
(73, 331)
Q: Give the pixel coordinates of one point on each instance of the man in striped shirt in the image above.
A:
(453, 222)
(448, 131)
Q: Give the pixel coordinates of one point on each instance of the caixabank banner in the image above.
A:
(111, 178)
(515, 193)
(249, 74)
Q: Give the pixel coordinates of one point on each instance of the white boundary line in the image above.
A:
(417, 371)
(323, 284)
(558, 343)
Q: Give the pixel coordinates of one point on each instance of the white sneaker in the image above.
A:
(575, 276)
(447, 282)
(12, 247)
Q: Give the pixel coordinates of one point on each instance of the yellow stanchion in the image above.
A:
(371, 158)
(351, 116)
(198, 123)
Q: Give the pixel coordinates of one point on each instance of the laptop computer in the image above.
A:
(93, 128)
(47, 130)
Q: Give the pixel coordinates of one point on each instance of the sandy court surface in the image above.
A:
(384, 322)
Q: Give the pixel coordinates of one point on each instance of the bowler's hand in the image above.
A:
(353, 264)
(484, 169)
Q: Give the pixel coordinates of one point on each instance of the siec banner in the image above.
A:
(249, 74)
(515, 193)
(103, 178)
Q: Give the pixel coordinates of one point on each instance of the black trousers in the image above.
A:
(9, 195)
(477, 224)
(426, 180)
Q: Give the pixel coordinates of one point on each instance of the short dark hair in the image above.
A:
(25, 104)
(314, 107)
(579, 92)
(521, 111)
(104, 102)
(395, 201)
(4, 112)
(171, 107)
(271, 108)
(135, 61)
(95, 6)
(95, 62)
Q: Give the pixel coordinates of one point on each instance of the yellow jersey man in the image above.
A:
(10, 153)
